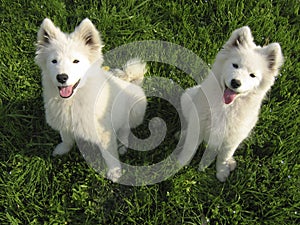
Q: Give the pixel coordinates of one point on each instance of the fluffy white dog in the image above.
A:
(83, 101)
(225, 107)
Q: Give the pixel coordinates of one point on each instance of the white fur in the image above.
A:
(225, 126)
(101, 105)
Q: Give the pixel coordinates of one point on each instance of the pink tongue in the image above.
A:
(66, 92)
(228, 96)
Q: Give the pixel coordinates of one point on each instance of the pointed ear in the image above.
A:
(274, 56)
(47, 32)
(88, 33)
(241, 37)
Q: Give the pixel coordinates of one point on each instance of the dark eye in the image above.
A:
(235, 65)
(54, 61)
(252, 75)
(76, 61)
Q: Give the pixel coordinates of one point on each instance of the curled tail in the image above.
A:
(133, 71)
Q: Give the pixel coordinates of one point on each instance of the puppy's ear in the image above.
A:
(274, 56)
(241, 37)
(88, 33)
(47, 32)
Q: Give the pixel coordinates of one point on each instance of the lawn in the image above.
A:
(36, 188)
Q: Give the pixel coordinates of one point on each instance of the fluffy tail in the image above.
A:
(133, 71)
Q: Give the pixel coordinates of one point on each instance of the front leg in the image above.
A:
(225, 163)
(123, 136)
(109, 150)
(66, 145)
(192, 139)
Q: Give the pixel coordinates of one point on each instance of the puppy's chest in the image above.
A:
(73, 116)
(58, 114)
(241, 118)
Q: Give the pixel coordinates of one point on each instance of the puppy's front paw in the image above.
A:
(224, 168)
(61, 149)
(231, 163)
(223, 173)
(114, 174)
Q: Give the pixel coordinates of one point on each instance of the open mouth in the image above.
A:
(67, 91)
(229, 95)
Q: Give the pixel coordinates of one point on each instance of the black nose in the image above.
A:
(235, 83)
(62, 78)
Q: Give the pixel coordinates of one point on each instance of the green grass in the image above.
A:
(36, 188)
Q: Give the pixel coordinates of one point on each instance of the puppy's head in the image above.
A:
(65, 58)
(243, 67)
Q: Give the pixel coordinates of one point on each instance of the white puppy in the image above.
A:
(83, 101)
(225, 107)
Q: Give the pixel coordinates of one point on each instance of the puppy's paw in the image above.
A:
(223, 173)
(224, 168)
(231, 163)
(61, 149)
(114, 174)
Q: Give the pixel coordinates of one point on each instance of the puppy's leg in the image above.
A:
(225, 162)
(112, 161)
(109, 150)
(192, 140)
(123, 136)
(66, 144)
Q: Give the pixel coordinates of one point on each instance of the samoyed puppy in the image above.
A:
(82, 100)
(225, 107)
